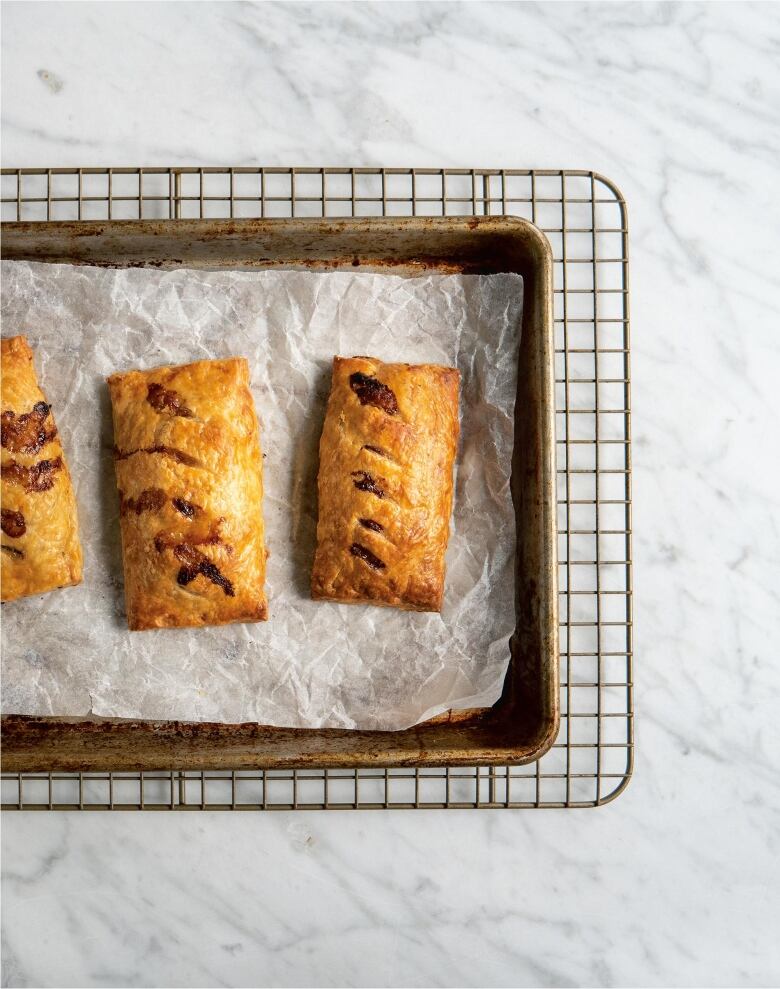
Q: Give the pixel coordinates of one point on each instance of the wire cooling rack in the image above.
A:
(584, 217)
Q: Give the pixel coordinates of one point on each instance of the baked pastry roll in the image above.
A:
(190, 479)
(385, 484)
(40, 541)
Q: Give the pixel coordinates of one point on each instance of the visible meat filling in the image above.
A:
(187, 508)
(367, 556)
(12, 551)
(27, 433)
(378, 450)
(150, 500)
(371, 391)
(372, 525)
(367, 482)
(155, 499)
(162, 399)
(166, 451)
(39, 477)
(13, 523)
(194, 563)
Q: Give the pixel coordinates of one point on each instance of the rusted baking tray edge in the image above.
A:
(523, 724)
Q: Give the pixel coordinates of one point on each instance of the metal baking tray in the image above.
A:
(523, 724)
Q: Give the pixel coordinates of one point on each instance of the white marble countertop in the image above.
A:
(677, 881)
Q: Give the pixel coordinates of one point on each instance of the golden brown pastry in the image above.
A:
(385, 484)
(40, 541)
(189, 473)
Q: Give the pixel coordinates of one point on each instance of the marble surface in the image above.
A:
(677, 881)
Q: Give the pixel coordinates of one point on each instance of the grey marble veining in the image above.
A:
(676, 882)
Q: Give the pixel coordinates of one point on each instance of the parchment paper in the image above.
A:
(312, 665)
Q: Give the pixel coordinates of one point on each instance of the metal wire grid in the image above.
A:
(584, 217)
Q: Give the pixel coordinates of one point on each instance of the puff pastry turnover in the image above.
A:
(385, 484)
(189, 473)
(40, 542)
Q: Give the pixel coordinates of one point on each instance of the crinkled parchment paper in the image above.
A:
(313, 664)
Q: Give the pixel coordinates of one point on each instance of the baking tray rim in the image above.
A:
(489, 736)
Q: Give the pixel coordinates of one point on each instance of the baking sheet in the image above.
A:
(313, 664)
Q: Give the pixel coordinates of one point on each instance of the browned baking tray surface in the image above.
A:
(522, 726)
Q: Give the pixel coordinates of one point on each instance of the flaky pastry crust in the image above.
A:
(189, 474)
(385, 484)
(40, 541)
